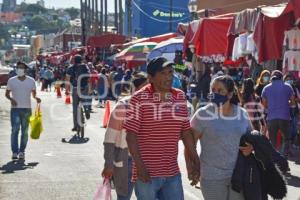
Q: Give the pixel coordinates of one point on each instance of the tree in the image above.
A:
(37, 23)
(73, 12)
(4, 34)
(31, 8)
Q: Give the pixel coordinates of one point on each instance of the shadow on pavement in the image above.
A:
(293, 180)
(75, 140)
(296, 156)
(13, 166)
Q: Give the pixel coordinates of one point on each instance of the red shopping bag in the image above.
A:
(103, 191)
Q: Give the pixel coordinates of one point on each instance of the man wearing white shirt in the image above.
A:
(18, 91)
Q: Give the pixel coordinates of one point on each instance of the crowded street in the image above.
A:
(149, 100)
(72, 170)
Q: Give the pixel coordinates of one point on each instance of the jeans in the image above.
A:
(164, 188)
(284, 126)
(84, 100)
(130, 184)
(19, 117)
(294, 127)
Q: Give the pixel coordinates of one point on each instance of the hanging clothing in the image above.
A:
(291, 61)
(292, 39)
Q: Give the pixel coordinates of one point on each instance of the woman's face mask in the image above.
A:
(290, 82)
(219, 94)
(218, 99)
(266, 79)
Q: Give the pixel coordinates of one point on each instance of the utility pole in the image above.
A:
(97, 18)
(105, 16)
(171, 16)
(82, 16)
(116, 16)
(129, 21)
(101, 17)
(93, 11)
(121, 14)
(89, 17)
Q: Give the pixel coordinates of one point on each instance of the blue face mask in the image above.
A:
(290, 82)
(218, 99)
(266, 79)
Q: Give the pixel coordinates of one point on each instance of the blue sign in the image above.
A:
(153, 17)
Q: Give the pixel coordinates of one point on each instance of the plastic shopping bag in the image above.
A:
(36, 124)
(104, 191)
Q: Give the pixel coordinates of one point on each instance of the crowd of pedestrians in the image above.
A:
(162, 106)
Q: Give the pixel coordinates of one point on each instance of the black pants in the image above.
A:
(284, 126)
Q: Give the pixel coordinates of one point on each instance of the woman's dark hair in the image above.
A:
(249, 90)
(103, 71)
(138, 79)
(229, 84)
(289, 75)
(22, 63)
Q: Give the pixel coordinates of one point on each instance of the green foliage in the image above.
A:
(37, 22)
(31, 8)
(73, 12)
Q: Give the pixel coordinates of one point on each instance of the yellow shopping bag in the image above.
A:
(36, 123)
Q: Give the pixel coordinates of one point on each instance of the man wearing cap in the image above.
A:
(276, 98)
(78, 76)
(20, 86)
(156, 119)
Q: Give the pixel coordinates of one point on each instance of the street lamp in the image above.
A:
(193, 7)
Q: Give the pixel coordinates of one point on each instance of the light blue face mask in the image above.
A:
(290, 82)
(266, 79)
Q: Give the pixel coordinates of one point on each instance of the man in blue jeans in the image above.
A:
(21, 87)
(156, 119)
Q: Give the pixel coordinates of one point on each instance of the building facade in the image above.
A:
(146, 18)
(9, 6)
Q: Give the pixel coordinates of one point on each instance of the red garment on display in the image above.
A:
(211, 36)
(269, 36)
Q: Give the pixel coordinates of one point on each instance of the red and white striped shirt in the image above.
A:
(158, 126)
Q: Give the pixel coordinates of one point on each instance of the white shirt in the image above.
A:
(292, 39)
(21, 90)
(291, 61)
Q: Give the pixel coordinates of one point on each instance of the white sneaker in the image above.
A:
(22, 156)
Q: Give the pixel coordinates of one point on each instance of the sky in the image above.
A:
(64, 3)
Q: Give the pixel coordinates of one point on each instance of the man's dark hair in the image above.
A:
(22, 63)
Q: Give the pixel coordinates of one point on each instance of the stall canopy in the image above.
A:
(269, 30)
(211, 35)
(189, 34)
(167, 48)
(105, 41)
(157, 39)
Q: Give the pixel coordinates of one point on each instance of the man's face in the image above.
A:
(163, 80)
(21, 66)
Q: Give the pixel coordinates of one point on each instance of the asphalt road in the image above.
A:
(71, 170)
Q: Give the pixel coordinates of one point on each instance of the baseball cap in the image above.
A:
(158, 64)
(276, 74)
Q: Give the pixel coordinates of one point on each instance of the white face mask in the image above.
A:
(20, 72)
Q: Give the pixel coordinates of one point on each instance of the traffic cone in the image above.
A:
(106, 114)
(58, 92)
(68, 99)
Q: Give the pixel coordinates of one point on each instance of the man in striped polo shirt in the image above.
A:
(156, 119)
